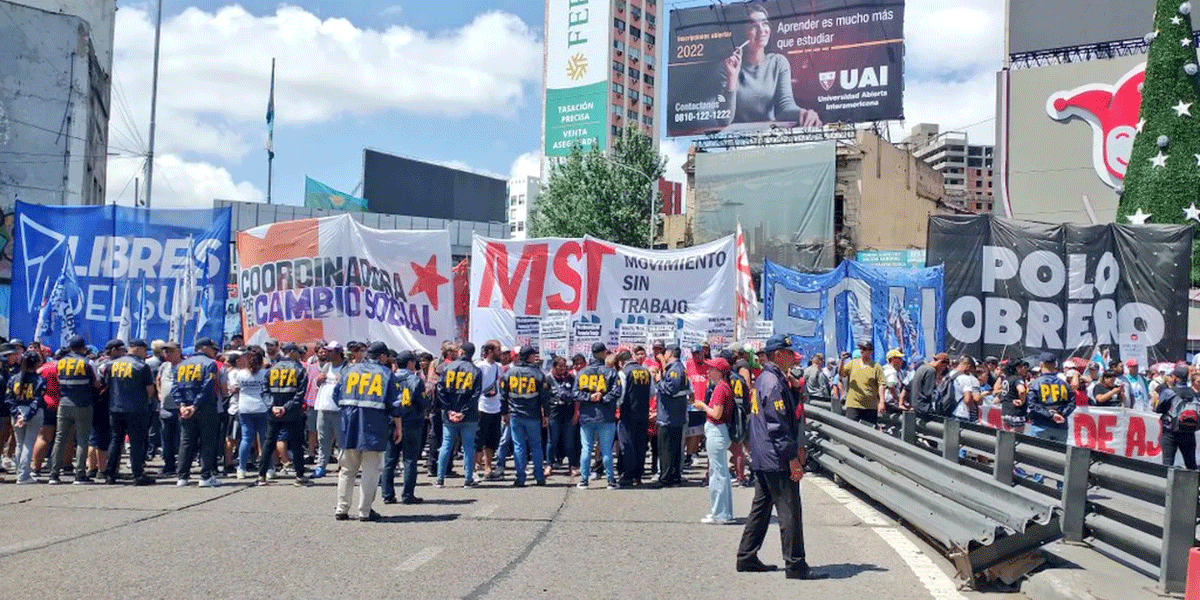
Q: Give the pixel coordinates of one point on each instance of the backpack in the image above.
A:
(1187, 414)
(739, 424)
(944, 401)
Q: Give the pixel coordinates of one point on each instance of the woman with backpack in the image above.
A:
(24, 401)
(720, 411)
(1180, 418)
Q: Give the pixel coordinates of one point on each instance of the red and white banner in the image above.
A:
(338, 280)
(515, 283)
(1121, 431)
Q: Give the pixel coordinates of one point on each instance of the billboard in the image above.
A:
(396, 185)
(903, 259)
(335, 279)
(1035, 25)
(732, 66)
(577, 68)
(1018, 288)
(783, 196)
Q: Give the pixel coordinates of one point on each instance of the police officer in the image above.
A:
(778, 462)
(597, 389)
(674, 395)
(368, 399)
(635, 420)
(287, 383)
(78, 387)
(526, 396)
(1049, 402)
(197, 390)
(458, 393)
(130, 384)
(101, 437)
(413, 404)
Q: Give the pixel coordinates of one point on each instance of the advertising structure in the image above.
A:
(114, 271)
(599, 283)
(577, 71)
(1037, 25)
(335, 279)
(898, 309)
(1018, 288)
(733, 66)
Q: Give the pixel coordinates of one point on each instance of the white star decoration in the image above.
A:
(1191, 213)
(1198, 160)
(1185, 42)
(1139, 217)
(1142, 123)
(1159, 161)
(1176, 20)
(1183, 108)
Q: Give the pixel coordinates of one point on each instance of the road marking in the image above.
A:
(939, 585)
(486, 510)
(419, 559)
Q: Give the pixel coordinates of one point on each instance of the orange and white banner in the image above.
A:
(338, 280)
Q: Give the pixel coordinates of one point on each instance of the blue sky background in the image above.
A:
(361, 73)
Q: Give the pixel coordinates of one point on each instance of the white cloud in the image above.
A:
(954, 105)
(392, 11)
(528, 164)
(178, 183)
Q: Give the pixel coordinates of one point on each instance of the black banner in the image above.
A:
(796, 63)
(1018, 288)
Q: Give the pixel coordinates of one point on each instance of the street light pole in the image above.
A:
(650, 243)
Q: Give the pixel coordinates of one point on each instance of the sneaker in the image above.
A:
(85, 480)
(110, 480)
(92, 474)
(8, 463)
(318, 473)
(301, 481)
(271, 473)
(241, 473)
(182, 483)
(612, 485)
(210, 482)
(583, 485)
(714, 521)
(439, 484)
(371, 517)
(27, 481)
(54, 480)
(341, 516)
(471, 483)
(412, 500)
(261, 481)
(144, 481)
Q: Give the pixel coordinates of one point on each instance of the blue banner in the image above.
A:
(900, 309)
(113, 271)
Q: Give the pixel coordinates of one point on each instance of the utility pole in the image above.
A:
(153, 107)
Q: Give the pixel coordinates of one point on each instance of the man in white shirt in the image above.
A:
(966, 391)
(329, 417)
(487, 440)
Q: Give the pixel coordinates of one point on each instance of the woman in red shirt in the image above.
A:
(45, 440)
(719, 411)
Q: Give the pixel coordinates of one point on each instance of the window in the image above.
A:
(632, 114)
(649, 58)
(635, 33)
(650, 39)
(520, 225)
(512, 228)
(648, 79)
(618, 66)
(650, 19)
(619, 24)
(620, 5)
(634, 54)
(619, 46)
(635, 13)
(633, 95)
(648, 99)
(617, 109)
(634, 73)
(618, 88)
(616, 131)
(647, 120)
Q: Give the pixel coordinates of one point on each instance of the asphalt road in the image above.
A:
(495, 541)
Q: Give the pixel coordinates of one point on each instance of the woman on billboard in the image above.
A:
(758, 85)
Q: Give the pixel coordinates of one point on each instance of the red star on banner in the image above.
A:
(428, 280)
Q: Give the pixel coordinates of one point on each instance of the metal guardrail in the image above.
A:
(978, 522)
(1139, 513)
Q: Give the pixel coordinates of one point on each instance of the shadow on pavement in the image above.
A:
(419, 518)
(847, 570)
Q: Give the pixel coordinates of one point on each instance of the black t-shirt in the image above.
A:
(127, 379)
(1100, 388)
(1010, 387)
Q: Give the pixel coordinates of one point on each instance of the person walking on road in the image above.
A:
(778, 462)
(367, 396)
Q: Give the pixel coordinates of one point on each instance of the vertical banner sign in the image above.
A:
(577, 69)
(335, 279)
(631, 334)
(660, 332)
(584, 335)
(554, 335)
(894, 308)
(1018, 288)
(233, 312)
(85, 269)
(777, 62)
(599, 282)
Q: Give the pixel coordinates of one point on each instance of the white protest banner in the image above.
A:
(760, 332)
(598, 281)
(335, 279)
(631, 334)
(1133, 345)
(660, 332)
(583, 336)
(554, 335)
(1128, 433)
(689, 339)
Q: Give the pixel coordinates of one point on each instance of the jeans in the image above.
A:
(1181, 442)
(506, 445)
(670, 459)
(329, 432)
(79, 417)
(775, 488)
(26, 435)
(136, 425)
(350, 463)
(295, 444)
(169, 430)
(254, 427)
(465, 431)
(527, 437)
(720, 490)
(633, 436)
(562, 441)
(408, 450)
(203, 429)
(1054, 434)
(597, 433)
(434, 442)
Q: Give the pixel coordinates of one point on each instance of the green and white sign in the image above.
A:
(576, 74)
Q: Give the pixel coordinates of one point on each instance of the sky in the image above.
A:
(456, 82)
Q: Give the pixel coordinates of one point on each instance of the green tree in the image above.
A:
(610, 196)
(1162, 183)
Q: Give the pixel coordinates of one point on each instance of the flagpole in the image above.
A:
(153, 108)
(271, 132)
